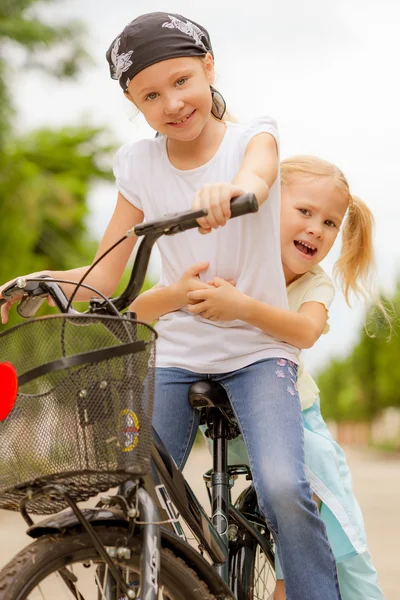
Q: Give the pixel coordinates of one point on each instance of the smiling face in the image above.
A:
(312, 212)
(174, 96)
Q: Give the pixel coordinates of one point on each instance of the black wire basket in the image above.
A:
(83, 413)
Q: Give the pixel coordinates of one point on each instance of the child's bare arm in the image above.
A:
(156, 302)
(259, 168)
(301, 329)
(159, 301)
(256, 175)
(223, 302)
(106, 275)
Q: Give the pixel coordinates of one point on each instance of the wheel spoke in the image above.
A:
(69, 567)
(100, 587)
(264, 575)
(91, 582)
(41, 592)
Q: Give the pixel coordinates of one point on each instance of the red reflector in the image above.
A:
(8, 389)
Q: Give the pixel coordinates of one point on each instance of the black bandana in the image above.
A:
(154, 37)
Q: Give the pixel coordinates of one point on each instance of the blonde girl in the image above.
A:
(316, 203)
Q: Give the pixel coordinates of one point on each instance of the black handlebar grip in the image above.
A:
(242, 205)
(29, 305)
(32, 293)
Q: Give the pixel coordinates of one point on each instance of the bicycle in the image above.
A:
(99, 403)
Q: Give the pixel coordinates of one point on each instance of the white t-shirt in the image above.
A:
(246, 249)
(313, 286)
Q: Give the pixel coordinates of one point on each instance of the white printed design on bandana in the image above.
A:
(188, 28)
(121, 62)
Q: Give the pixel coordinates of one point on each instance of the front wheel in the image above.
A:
(67, 566)
(251, 569)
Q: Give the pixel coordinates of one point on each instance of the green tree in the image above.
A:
(368, 380)
(45, 175)
(22, 29)
(44, 190)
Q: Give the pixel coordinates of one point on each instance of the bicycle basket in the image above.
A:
(83, 413)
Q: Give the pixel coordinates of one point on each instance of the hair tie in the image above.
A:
(218, 104)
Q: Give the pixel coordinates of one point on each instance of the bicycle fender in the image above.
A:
(67, 520)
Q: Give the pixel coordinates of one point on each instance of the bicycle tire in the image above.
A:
(46, 556)
(251, 570)
(252, 575)
(263, 577)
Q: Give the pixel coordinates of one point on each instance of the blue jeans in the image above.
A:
(266, 404)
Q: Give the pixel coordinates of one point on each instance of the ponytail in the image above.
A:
(355, 266)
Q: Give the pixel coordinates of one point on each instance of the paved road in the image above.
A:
(377, 485)
(376, 479)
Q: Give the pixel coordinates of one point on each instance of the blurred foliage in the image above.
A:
(360, 386)
(25, 42)
(45, 175)
(67, 53)
(44, 184)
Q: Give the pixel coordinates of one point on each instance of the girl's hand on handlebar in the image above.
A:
(5, 308)
(220, 302)
(216, 198)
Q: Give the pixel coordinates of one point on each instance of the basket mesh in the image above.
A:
(87, 427)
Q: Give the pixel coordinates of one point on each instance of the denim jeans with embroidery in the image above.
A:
(265, 401)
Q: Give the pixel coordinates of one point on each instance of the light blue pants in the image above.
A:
(266, 404)
(358, 579)
(330, 478)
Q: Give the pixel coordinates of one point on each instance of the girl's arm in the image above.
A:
(256, 175)
(225, 303)
(301, 329)
(159, 301)
(156, 302)
(259, 168)
(106, 275)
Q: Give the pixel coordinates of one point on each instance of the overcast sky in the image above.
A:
(327, 70)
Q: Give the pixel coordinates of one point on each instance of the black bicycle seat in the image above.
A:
(208, 394)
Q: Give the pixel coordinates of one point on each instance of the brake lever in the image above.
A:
(32, 292)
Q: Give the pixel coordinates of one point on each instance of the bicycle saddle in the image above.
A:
(208, 394)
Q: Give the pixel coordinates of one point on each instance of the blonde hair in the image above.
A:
(355, 267)
(228, 117)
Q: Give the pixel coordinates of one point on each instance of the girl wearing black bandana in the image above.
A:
(164, 64)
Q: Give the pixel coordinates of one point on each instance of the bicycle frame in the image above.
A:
(164, 495)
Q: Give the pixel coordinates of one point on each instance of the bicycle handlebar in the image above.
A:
(35, 291)
(175, 223)
(34, 294)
